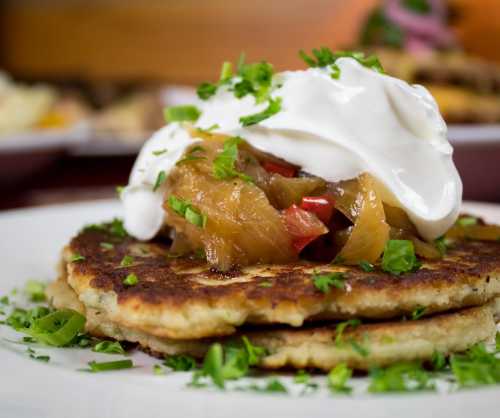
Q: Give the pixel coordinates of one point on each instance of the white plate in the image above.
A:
(30, 246)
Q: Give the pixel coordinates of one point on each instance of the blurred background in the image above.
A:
(83, 82)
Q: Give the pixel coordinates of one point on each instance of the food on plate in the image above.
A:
(40, 107)
(313, 215)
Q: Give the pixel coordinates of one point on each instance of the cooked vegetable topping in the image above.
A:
(186, 113)
(224, 163)
(323, 282)
(321, 206)
(303, 226)
(273, 108)
(187, 211)
(399, 257)
(284, 170)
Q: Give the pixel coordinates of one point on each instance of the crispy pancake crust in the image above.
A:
(384, 343)
(183, 299)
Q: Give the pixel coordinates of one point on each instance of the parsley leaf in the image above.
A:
(399, 257)
(400, 377)
(186, 210)
(127, 261)
(338, 378)
(466, 221)
(418, 313)
(273, 107)
(160, 179)
(107, 245)
(183, 113)
(109, 347)
(438, 360)
(130, 280)
(340, 328)
(323, 282)
(191, 155)
(159, 152)
(366, 266)
(224, 164)
(96, 367)
(254, 352)
(35, 290)
(158, 370)
(180, 363)
(115, 227)
(206, 90)
(76, 258)
(476, 367)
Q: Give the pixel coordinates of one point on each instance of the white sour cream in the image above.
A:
(335, 129)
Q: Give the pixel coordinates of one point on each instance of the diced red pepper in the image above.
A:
(284, 170)
(303, 226)
(322, 206)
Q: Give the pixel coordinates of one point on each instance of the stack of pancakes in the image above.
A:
(180, 306)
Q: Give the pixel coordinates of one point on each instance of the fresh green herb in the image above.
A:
(380, 30)
(467, 221)
(57, 328)
(443, 244)
(242, 88)
(399, 257)
(438, 360)
(338, 378)
(96, 367)
(366, 266)
(206, 90)
(324, 57)
(199, 254)
(160, 179)
(75, 258)
(224, 163)
(497, 341)
(130, 280)
(265, 283)
(107, 245)
(421, 7)
(191, 156)
(34, 356)
(272, 386)
(187, 211)
(302, 377)
(159, 152)
(476, 367)
(115, 227)
(4, 300)
(254, 353)
(340, 328)
(127, 261)
(335, 74)
(119, 190)
(186, 113)
(226, 72)
(180, 363)
(108, 347)
(401, 377)
(158, 370)
(256, 79)
(418, 313)
(323, 282)
(206, 131)
(360, 349)
(213, 363)
(338, 260)
(35, 290)
(273, 107)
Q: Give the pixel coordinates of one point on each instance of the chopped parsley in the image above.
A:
(185, 113)
(466, 221)
(191, 155)
(158, 370)
(358, 348)
(265, 283)
(476, 367)
(366, 266)
(180, 363)
(160, 179)
(273, 107)
(75, 258)
(115, 227)
(34, 356)
(207, 131)
(438, 360)
(35, 290)
(325, 57)
(340, 328)
(187, 211)
(418, 313)
(224, 164)
(108, 347)
(226, 72)
(107, 366)
(401, 377)
(159, 152)
(253, 352)
(107, 245)
(127, 261)
(206, 90)
(130, 280)
(271, 386)
(399, 257)
(4, 300)
(497, 341)
(443, 244)
(338, 378)
(323, 282)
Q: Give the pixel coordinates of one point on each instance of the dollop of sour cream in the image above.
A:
(336, 129)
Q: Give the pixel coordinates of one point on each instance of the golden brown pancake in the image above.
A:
(183, 299)
(362, 347)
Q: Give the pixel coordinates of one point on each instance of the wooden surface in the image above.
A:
(172, 40)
